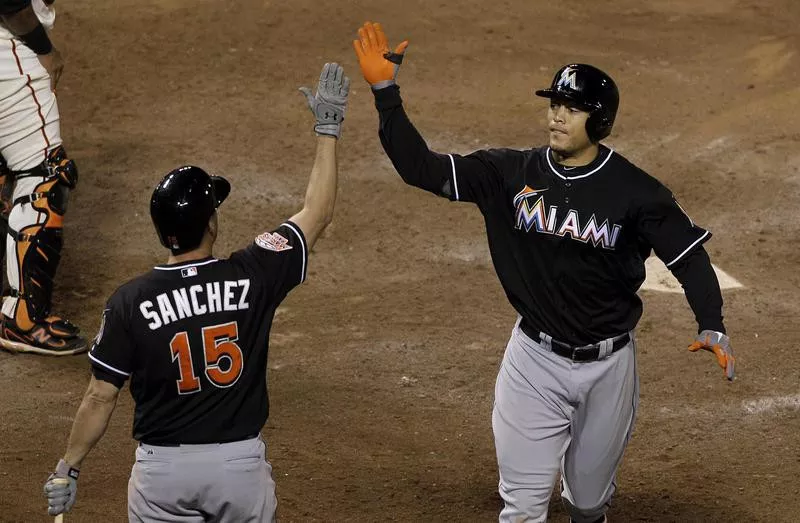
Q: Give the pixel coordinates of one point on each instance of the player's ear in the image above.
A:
(213, 226)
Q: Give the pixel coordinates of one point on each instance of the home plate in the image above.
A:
(774, 403)
(660, 279)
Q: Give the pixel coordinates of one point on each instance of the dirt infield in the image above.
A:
(382, 366)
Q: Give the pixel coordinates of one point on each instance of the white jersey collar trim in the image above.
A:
(555, 171)
(184, 265)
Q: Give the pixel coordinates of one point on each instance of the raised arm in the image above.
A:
(473, 178)
(320, 200)
(328, 105)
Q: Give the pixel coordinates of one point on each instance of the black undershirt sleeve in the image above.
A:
(477, 177)
(405, 147)
(702, 290)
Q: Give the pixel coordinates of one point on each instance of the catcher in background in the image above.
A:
(192, 336)
(36, 177)
(569, 228)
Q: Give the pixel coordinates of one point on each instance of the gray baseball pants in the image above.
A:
(554, 415)
(222, 482)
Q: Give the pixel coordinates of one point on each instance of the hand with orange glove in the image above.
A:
(378, 64)
(720, 345)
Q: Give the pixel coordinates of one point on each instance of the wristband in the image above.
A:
(64, 469)
(37, 40)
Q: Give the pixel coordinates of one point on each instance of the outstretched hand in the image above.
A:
(379, 64)
(720, 345)
(330, 102)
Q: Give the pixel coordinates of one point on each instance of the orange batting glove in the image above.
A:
(720, 345)
(378, 64)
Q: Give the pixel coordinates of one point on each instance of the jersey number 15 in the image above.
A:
(219, 345)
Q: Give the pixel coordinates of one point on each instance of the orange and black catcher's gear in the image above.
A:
(38, 245)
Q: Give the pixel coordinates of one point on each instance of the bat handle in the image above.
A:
(60, 517)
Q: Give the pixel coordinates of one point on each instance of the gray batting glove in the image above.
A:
(720, 345)
(61, 488)
(330, 102)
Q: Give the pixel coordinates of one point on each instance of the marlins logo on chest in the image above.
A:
(533, 214)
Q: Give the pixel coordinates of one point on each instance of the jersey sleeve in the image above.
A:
(278, 259)
(665, 226)
(475, 178)
(479, 177)
(112, 351)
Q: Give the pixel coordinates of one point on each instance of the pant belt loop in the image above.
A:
(605, 346)
(546, 341)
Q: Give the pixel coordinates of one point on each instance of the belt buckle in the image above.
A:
(581, 349)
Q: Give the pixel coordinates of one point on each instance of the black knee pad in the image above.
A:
(60, 166)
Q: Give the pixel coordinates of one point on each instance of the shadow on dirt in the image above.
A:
(646, 507)
(664, 508)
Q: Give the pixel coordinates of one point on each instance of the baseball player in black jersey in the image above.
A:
(192, 336)
(569, 228)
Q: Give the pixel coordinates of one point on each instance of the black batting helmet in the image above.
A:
(182, 204)
(593, 90)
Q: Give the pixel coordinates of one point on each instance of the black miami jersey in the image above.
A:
(193, 340)
(568, 244)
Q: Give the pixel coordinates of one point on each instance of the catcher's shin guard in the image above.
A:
(33, 250)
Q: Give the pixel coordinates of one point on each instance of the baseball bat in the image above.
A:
(60, 481)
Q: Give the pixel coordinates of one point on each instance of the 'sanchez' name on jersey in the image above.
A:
(195, 300)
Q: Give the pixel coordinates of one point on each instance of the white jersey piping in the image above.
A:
(455, 180)
(303, 246)
(689, 248)
(552, 167)
(109, 367)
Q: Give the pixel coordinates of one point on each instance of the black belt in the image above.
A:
(583, 353)
(172, 444)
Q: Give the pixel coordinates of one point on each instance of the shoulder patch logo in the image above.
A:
(102, 328)
(272, 241)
